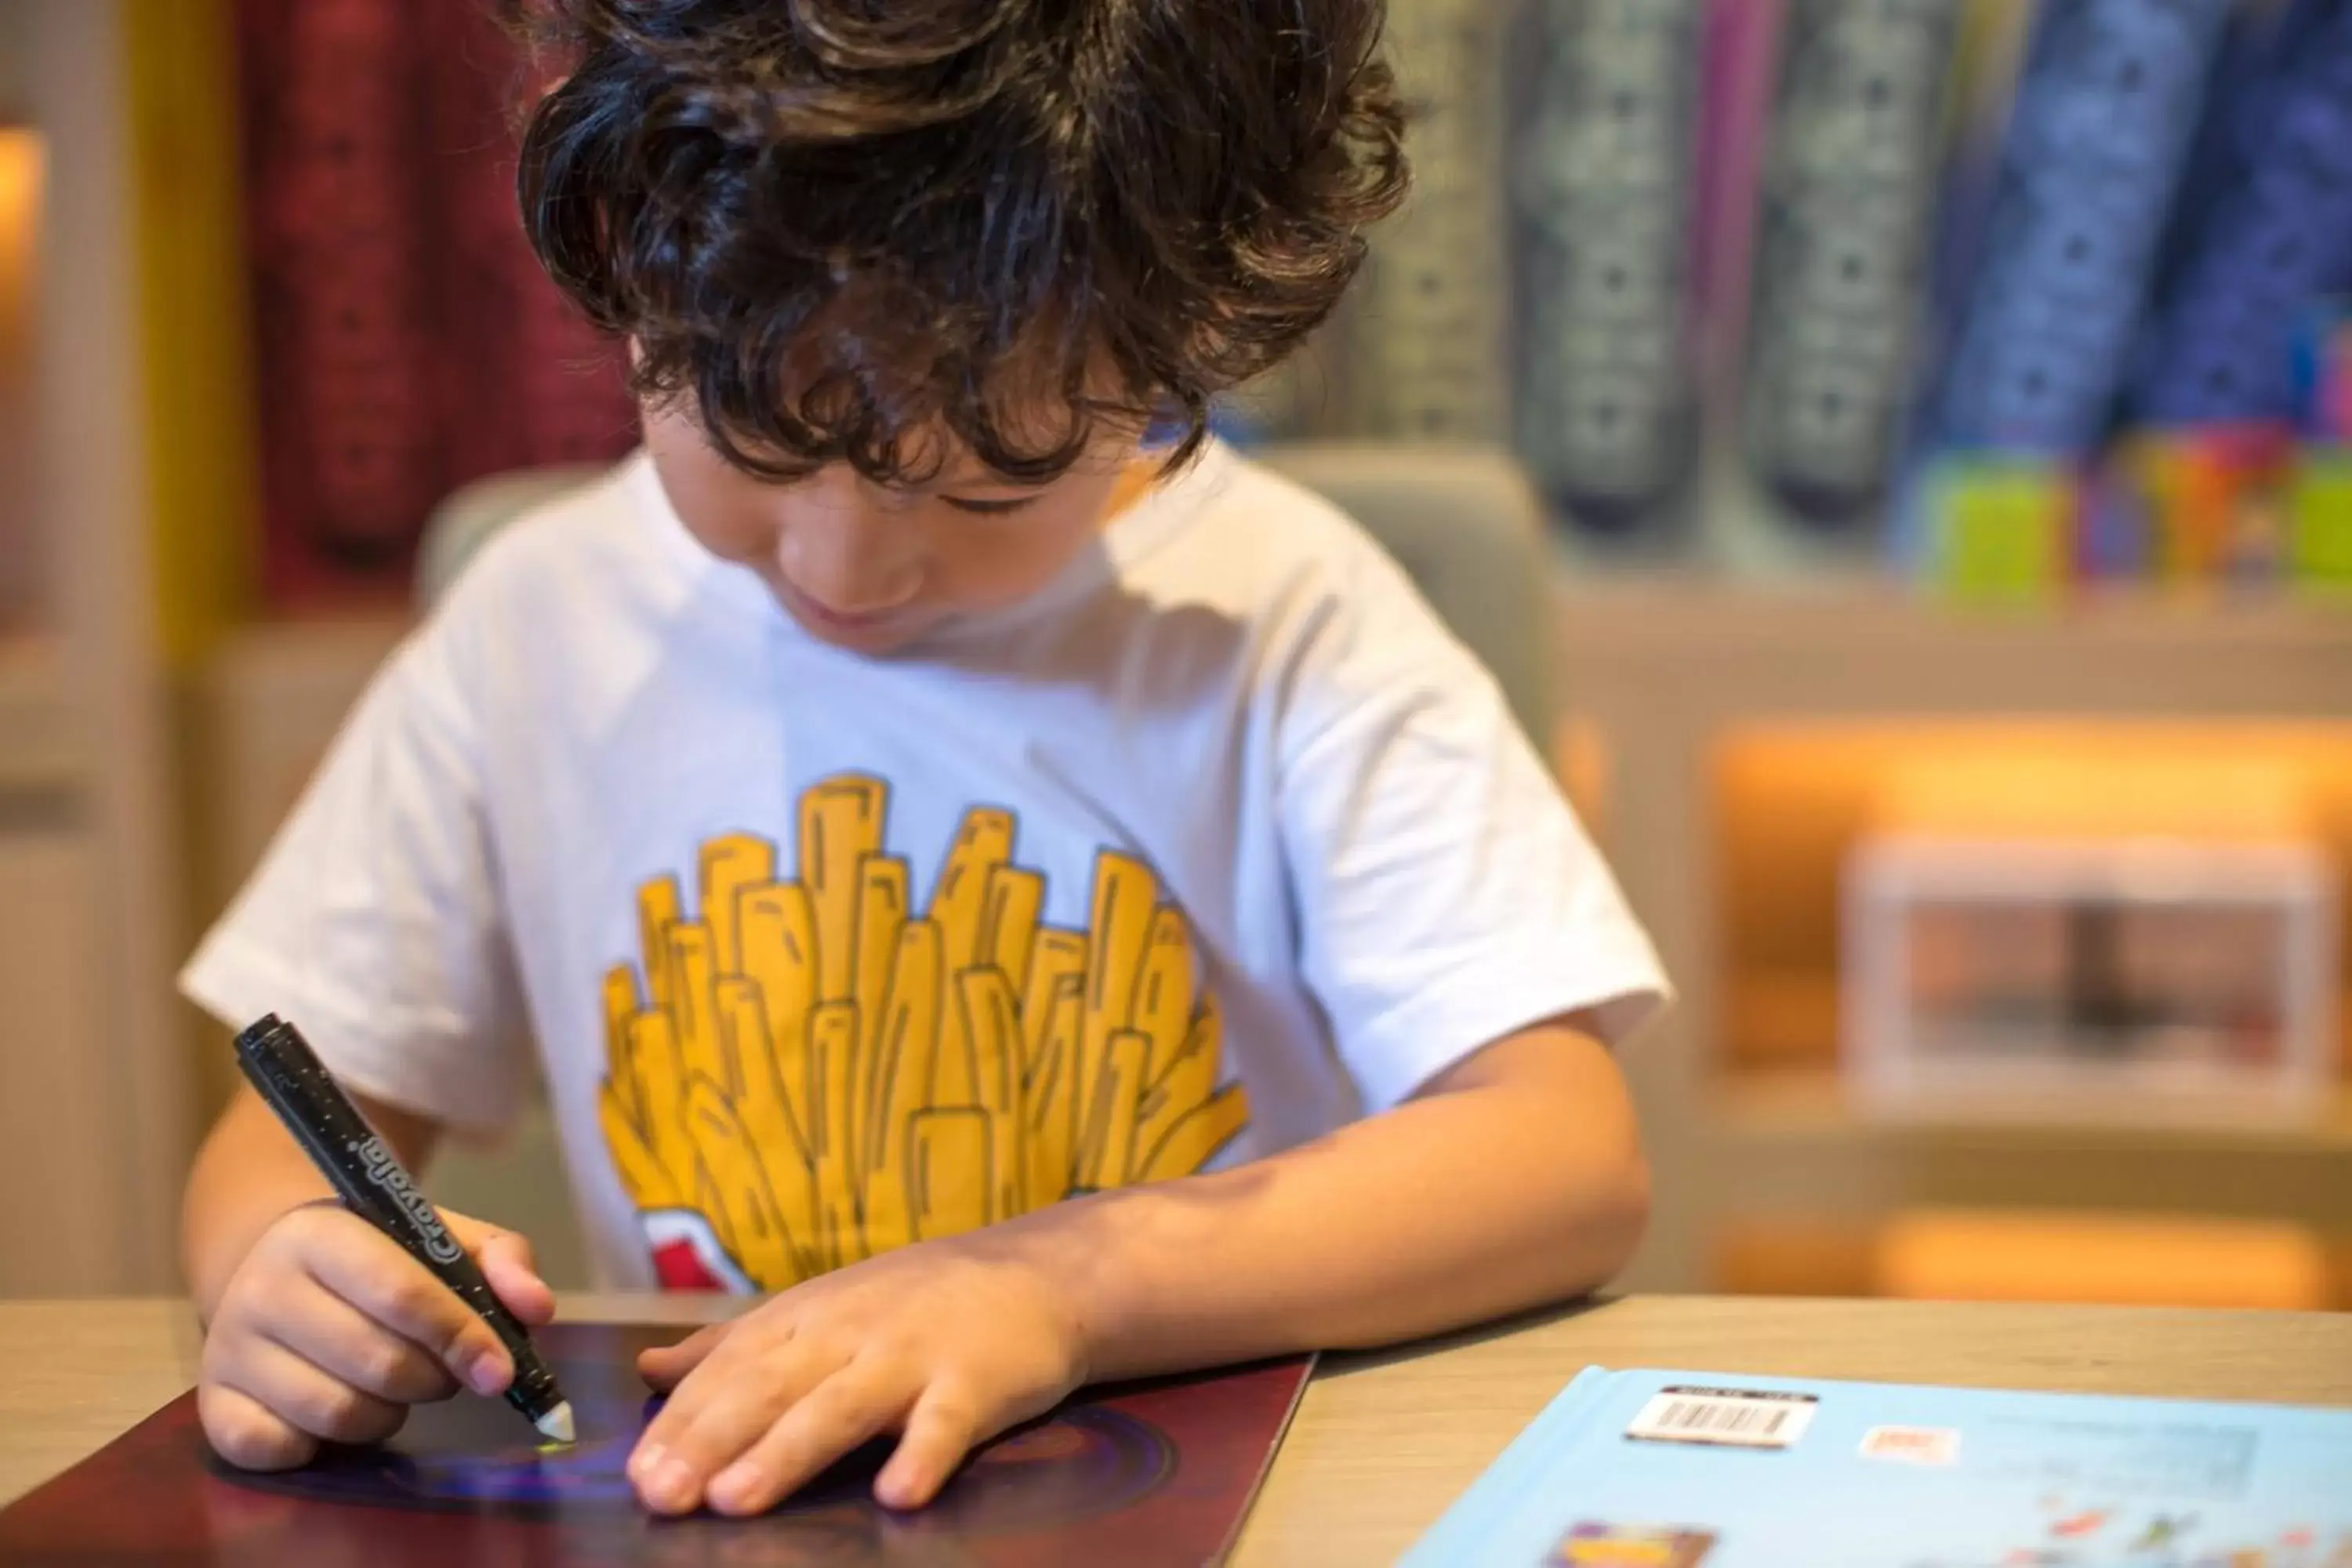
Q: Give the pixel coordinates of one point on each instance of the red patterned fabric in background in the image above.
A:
(407, 340)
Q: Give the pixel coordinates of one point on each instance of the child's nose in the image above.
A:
(854, 557)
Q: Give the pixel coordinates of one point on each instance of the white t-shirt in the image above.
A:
(1218, 842)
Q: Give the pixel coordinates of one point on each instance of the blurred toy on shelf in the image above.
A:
(1844, 240)
(1608, 416)
(2321, 375)
(2264, 227)
(2022, 298)
(2212, 497)
(1427, 355)
(406, 339)
(2103, 125)
(2320, 513)
(2243, 507)
(1996, 528)
(2011, 977)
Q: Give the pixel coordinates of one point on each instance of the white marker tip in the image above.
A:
(558, 1423)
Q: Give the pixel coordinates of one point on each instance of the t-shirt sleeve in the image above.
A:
(1447, 895)
(373, 922)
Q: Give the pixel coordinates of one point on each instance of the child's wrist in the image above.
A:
(1077, 1259)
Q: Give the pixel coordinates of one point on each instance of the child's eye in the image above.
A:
(994, 507)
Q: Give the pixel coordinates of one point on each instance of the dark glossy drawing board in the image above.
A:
(1140, 1474)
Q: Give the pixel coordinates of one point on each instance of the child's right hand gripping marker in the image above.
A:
(328, 1331)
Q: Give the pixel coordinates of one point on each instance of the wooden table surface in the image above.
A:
(1381, 1443)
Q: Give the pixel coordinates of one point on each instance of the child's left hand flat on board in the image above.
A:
(949, 1343)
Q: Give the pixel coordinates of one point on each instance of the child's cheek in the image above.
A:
(1006, 566)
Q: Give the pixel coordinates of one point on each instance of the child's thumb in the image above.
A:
(505, 1259)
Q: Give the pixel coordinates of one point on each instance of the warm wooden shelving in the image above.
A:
(42, 750)
(1798, 1108)
(90, 904)
(1710, 615)
(1664, 670)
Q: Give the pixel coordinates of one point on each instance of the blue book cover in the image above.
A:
(1844, 240)
(2110, 99)
(1695, 1469)
(2266, 231)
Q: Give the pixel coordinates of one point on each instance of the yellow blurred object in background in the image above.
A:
(1955, 1255)
(20, 207)
(1791, 800)
(2204, 794)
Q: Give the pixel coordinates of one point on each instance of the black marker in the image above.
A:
(368, 1176)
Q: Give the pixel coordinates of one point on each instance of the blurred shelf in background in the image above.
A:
(2125, 1258)
(1798, 1108)
(1741, 1096)
(258, 713)
(1793, 648)
(42, 750)
(94, 1112)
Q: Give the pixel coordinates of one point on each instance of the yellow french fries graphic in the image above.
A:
(823, 1073)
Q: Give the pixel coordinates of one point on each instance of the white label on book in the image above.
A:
(1725, 1417)
(1912, 1445)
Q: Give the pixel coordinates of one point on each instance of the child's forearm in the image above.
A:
(249, 1174)
(1517, 1180)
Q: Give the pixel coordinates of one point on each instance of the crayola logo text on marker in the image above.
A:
(385, 1172)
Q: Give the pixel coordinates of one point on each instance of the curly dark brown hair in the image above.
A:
(868, 231)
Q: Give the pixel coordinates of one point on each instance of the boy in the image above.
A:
(1052, 905)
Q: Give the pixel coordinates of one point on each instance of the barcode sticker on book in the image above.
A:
(1727, 1417)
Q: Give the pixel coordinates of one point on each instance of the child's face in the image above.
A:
(870, 569)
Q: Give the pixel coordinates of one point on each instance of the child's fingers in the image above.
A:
(508, 1262)
(665, 1366)
(526, 1295)
(715, 1416)
(311, 1400)
(839, 1413)
(940, 1430)
(397, 1291)
(341, 1341)
(247, 1432)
